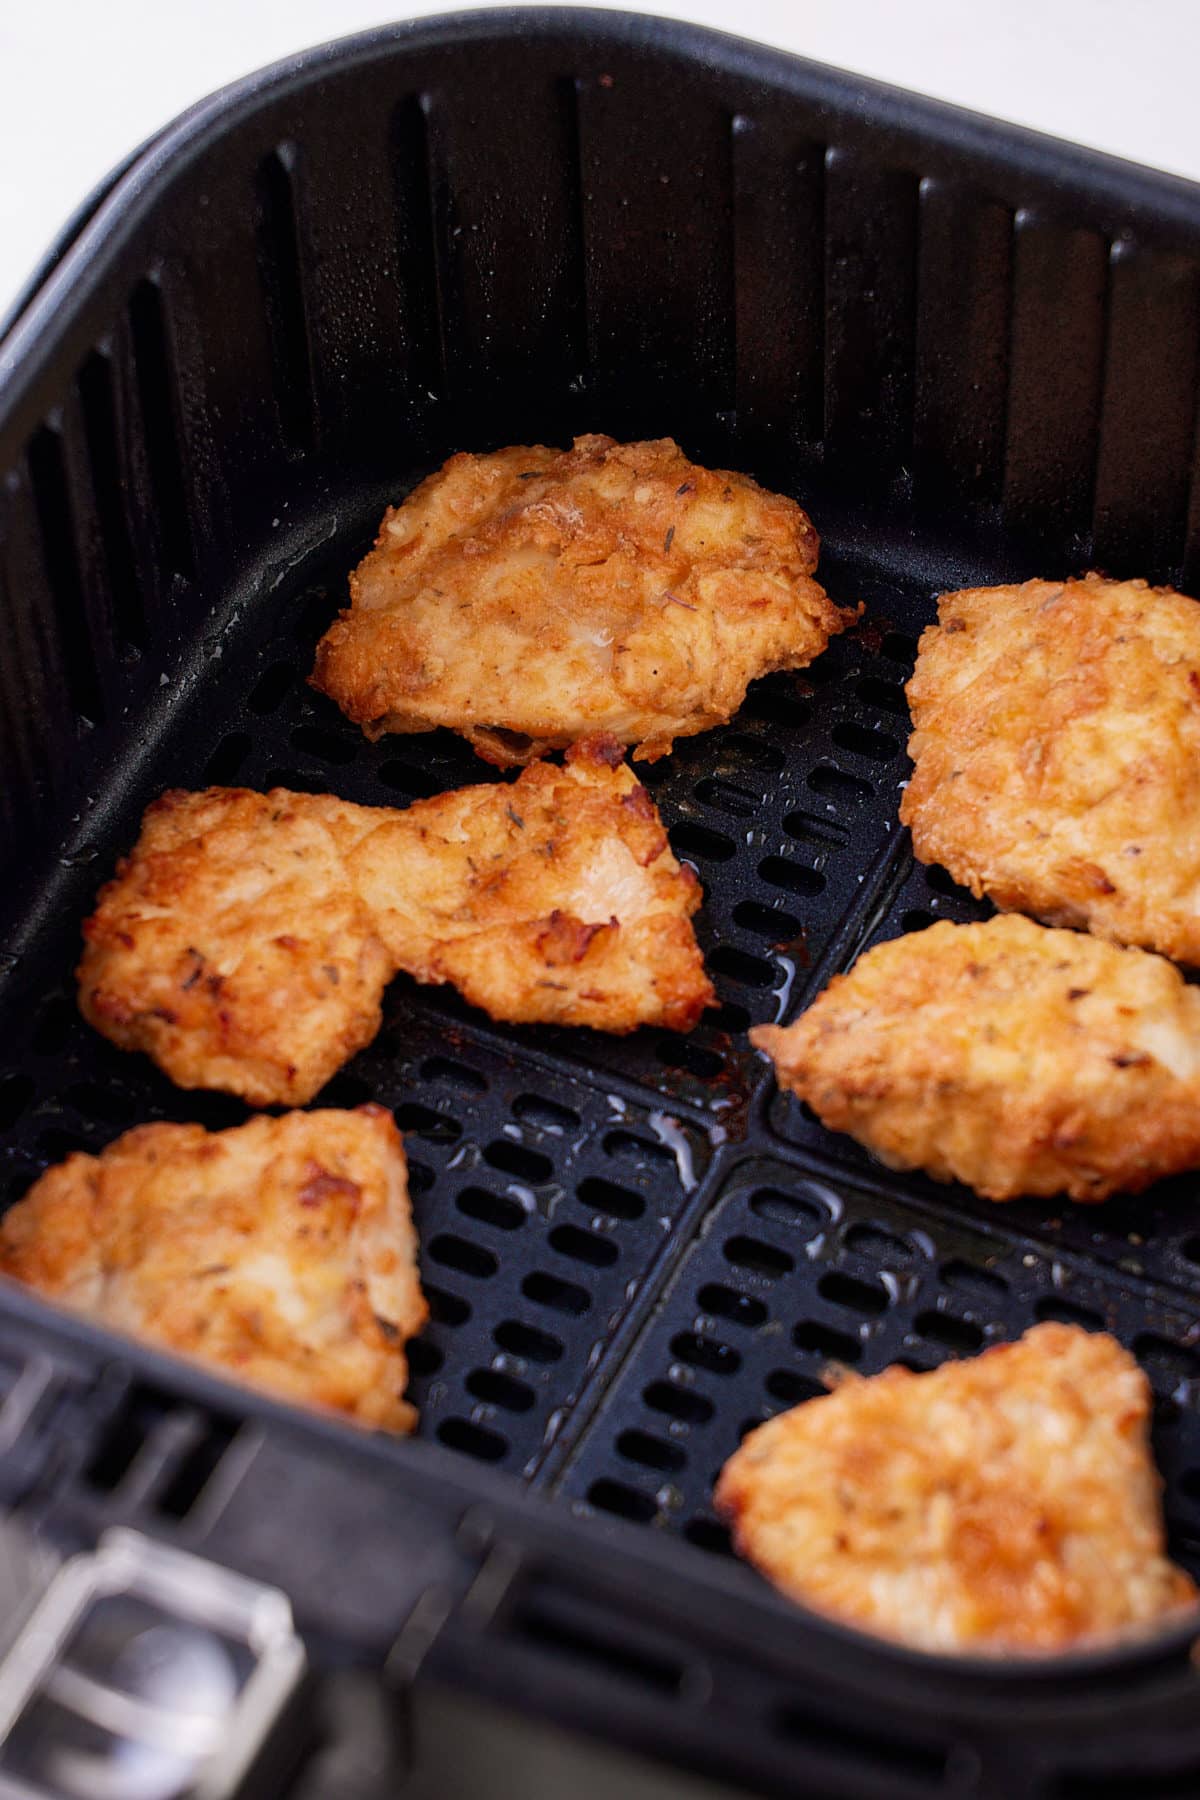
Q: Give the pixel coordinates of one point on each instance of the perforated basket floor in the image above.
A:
(972, 356)
(636, 1250)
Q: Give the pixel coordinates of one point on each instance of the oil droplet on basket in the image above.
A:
(549, 1199)
(669, 1498)
(465, 1157)
(554, 1425)
(617, 1104)
(670, 1134)
(524, 1196)
(783, 994)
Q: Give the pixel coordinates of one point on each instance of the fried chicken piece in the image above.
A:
(1057, 753)
(555, 900)
(1015, 1058)
(246, 942)
(282, 1252)
(1005, 1503)
(232, 946)
(533, 597)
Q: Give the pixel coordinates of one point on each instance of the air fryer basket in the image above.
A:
(972, 355)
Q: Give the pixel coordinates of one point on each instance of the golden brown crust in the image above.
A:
(533, 597)
(555, 900)
(232, 947)
(1057, 753)
(1006, 1503)
(1018, 1059)
(246, 941)
(282, 1252)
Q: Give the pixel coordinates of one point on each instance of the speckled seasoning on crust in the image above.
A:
(532, 597)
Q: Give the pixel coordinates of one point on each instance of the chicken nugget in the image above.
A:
(1057, 755)
(533, 597)
(1016, 1058)
(232, 946)
(1007, 1503)
(246, 941)
(556, 900)
(282, 1252)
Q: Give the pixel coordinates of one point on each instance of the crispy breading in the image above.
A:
(1005, 1503)
(246, 941)
(281, 1252)
(1016, 1058)
(533, 597)
(554, 900)
(1057, 753)
(232, 946)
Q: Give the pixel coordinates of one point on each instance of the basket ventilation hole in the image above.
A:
(787, 1209)
(823, 1340)
(469, 1259)
(527, 1342)
(497, 1389)
(600, 1196)
(793, 1388)
(328, 746)
(684, 1404)
(759, 1258)
(651, 1452)
(703, 842)
(793, 877)
(560, 1296)
(516, 1159)
(726, 1303)
(864, 740)
(473, 1440)
(545, 1115)
(836, 785)
(626, 1502)
(452, 1074)
(444, 1308)
(971, 1279)
(491, 1209)
(583, 1246)
(705, 1353)
(948, 1329)
(888, 696)
(857, 1296)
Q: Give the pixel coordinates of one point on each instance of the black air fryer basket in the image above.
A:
(972, 355)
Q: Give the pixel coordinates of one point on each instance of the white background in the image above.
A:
(83, 81)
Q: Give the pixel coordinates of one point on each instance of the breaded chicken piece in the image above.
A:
(246, 942)
(1005, 1503)
(534, 597)
(282, 1252)
(1057, 752)
(232, 946)
(1015, 1058)
(556, 900)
